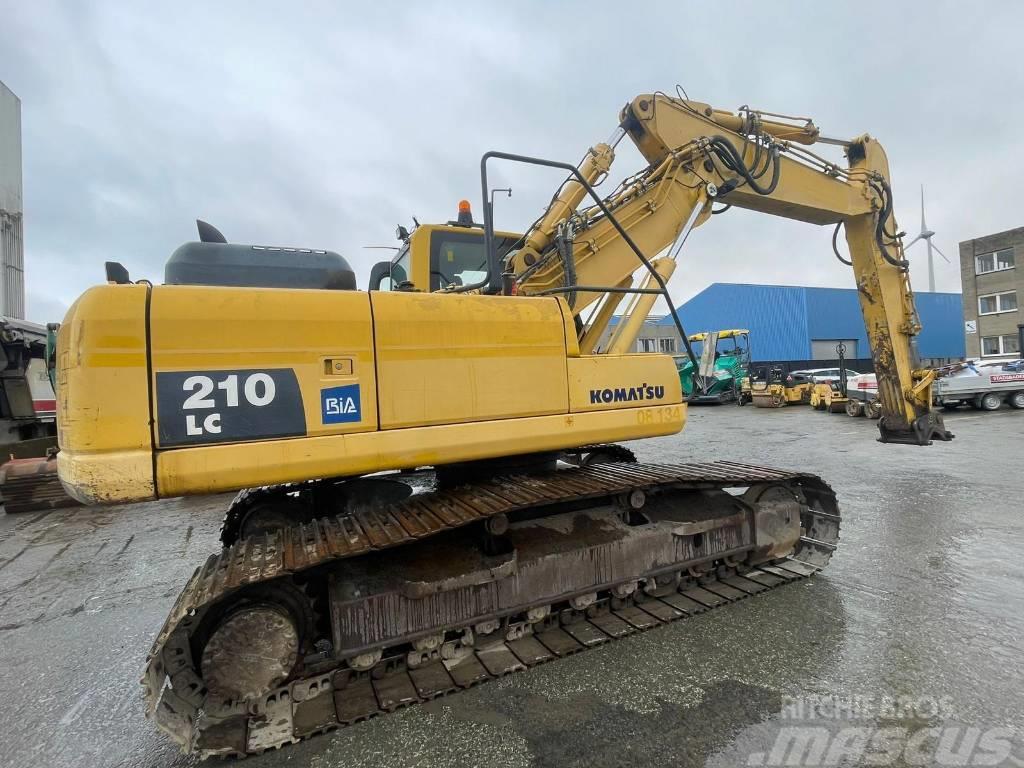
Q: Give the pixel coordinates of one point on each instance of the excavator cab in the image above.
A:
(436, 257)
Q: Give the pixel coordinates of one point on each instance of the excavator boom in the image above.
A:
(698, 156)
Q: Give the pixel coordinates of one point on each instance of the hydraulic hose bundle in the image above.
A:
(563, 244)
(733, 160)
(881, 186)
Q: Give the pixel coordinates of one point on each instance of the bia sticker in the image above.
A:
(340, 404)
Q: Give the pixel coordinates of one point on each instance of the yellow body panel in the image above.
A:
(602, 382)
(198, 328)
(103, 418)
(227, 388)
(446, 359)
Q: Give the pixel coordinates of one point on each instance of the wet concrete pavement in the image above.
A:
(921, 607)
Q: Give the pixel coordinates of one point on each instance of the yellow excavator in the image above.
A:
(431, 493)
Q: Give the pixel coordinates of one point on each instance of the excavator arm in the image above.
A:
(699, 156)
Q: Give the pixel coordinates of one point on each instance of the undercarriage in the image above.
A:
(324, 623)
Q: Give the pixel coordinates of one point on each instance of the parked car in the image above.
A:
(985, 386)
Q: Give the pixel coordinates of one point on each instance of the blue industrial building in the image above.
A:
(797, 323)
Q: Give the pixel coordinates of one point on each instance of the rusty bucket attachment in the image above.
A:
(29, 485)
(923, 430)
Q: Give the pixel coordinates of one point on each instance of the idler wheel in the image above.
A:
(252, 651)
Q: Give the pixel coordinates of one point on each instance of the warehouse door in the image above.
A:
(825, 349)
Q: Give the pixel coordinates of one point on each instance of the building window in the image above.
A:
(997, 302)
(1007, 344)
(648, 345)
(994, 262)
(667, 345)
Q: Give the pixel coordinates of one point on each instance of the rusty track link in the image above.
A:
(338, 697)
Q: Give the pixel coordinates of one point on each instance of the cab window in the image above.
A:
(459, 258)
(399, 271)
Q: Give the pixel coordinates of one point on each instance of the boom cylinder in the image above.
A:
(594, 165)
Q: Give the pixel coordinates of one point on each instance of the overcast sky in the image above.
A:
(325, 126)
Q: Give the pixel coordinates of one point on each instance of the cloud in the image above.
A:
(327, 124)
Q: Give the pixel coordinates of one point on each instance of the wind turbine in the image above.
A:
(926, 235)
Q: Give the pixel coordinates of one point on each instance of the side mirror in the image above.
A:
(378, 272)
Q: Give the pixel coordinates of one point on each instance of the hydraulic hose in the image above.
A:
(835, 247)
(564, 245)
(885, 192)
(730, 156)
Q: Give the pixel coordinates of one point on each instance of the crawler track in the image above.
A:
(329, 694)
